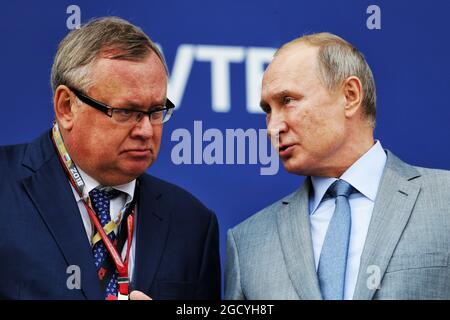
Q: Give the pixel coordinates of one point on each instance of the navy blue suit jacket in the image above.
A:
(42, 234)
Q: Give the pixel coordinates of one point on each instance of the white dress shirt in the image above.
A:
(116, 205)
(364, 175)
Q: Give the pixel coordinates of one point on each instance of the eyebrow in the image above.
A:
(135, 106)
(277, 96)
(282, 94)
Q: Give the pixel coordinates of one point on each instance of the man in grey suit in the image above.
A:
(364, 225)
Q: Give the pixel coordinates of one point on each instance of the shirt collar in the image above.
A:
(91, 183)
(364, 175)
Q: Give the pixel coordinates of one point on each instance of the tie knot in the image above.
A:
(340, 188)
(104, 193)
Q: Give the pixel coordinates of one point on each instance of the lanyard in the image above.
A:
(79, 185)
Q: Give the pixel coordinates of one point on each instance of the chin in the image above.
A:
(295, 168)
(295, 171)
(136, 168)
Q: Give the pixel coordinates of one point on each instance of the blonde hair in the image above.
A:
(113, 37)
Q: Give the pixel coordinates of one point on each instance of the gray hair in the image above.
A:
(338, 60)
(110, 37)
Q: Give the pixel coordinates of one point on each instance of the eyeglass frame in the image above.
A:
(108, 110)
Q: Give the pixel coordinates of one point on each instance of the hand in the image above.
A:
(138, 295)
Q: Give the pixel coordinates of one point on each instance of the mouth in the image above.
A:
(138, 153)
(285, 150)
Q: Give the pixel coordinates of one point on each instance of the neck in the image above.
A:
(352, 149)
(355, 152)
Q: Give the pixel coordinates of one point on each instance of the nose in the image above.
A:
(276, 124)
(143, 129)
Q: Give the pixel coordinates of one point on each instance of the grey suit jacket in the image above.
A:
(405, 256)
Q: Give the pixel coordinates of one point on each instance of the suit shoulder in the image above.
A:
(435, 183)
(263, 220)
(434, 176)
(11, 156)
(176, 197)
(433, 172)
(423, 177)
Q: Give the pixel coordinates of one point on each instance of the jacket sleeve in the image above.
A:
(209, 284)
(233, 290)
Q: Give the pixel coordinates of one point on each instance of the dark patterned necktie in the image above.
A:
(106, 268)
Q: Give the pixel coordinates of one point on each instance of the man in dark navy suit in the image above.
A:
(80, 219)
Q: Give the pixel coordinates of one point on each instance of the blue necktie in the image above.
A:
(105, 267)
(333, 257)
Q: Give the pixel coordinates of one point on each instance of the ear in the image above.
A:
(64, 102)
(353, 94)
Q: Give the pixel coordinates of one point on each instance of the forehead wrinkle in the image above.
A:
(294, 75)
(132, 93)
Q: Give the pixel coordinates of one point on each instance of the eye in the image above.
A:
(287, 100)
(157, 113)
(122, 115)
(124, 112)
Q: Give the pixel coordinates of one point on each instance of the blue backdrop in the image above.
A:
(216, 50)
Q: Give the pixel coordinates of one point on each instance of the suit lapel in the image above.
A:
(393, 206)
(51, 194)
(152, 231)
(296, 242)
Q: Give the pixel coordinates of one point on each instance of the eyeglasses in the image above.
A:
(158, 115)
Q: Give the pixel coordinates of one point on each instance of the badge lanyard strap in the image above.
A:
(122, 266)
(78, 183)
